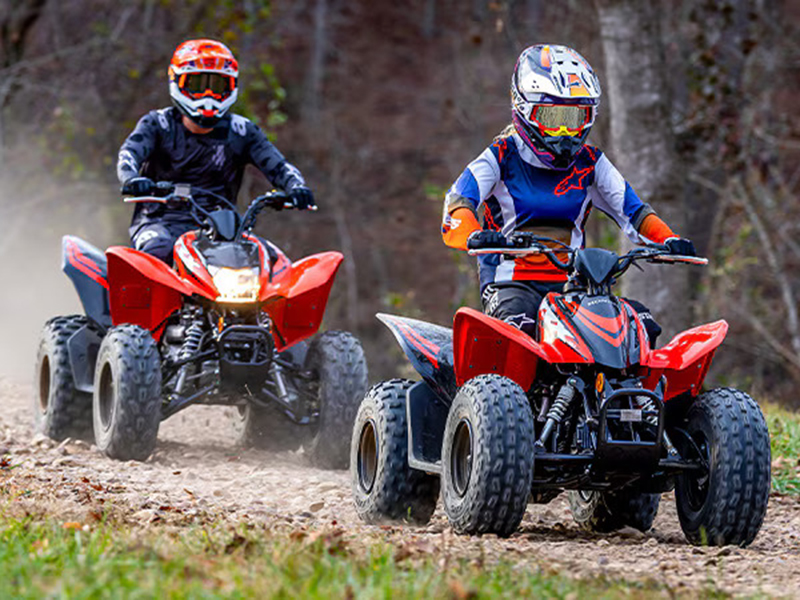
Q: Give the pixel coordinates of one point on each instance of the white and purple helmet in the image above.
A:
(554, 99)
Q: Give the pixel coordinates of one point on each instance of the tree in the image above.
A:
(642, 140)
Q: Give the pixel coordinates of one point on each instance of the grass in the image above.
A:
(45, 559)
(784, 431)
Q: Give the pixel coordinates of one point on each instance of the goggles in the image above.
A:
(561, 119)
(198, 85)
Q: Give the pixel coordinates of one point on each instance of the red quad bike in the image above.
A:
(228, 325)
(501, 418)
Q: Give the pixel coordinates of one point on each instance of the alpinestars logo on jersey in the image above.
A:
(573, 181)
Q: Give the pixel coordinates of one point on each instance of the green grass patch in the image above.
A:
(45, 559)
(784, 431)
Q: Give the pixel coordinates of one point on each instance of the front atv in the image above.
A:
(234, 323)
(501, 418)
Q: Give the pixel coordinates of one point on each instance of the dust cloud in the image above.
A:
(36, 211)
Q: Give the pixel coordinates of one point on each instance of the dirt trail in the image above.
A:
(196, 473)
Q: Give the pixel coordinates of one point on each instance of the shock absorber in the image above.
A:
(557, 411)
(647, 404)
(194, 336)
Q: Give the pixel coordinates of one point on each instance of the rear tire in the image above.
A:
(127, 394)
(727, 504)
(60, 411)
(384, 487)
(603, 512)
(337, 359)
(487, 457)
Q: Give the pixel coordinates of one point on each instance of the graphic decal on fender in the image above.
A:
(425, 346)
(84, 264)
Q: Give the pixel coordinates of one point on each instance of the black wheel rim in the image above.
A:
(461, 457)
(106, 396)
(44, 384)
(697, 483)
(367, 457)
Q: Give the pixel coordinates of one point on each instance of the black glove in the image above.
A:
(486, 238)
(302, 198)
(138, 186)
(680, 247)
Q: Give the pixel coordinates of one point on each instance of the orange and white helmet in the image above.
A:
(203, 80)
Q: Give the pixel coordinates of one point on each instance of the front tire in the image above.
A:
(603, 512)
(60, 411)
(384, 487)
(487, 457)
(127, 394)
(337, 359)
(727, 504)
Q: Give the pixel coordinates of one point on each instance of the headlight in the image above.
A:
(235, 285)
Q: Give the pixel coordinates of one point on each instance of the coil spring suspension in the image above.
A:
(556, 413)
(647, 404)
(194, 336)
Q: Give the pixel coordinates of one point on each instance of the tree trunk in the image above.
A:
(643, 143)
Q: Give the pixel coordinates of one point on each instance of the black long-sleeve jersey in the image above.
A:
(161, 148)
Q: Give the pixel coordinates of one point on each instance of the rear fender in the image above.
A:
(685, 360)
(87, 268)
(144, 291)
(296, 297)
(483, 344)
(429, 348)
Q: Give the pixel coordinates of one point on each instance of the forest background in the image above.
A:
(381, 105)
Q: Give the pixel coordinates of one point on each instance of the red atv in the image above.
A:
(226, 326)
(501, 418)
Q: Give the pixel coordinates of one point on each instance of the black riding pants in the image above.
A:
(517, 303)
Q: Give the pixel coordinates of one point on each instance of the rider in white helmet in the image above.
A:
(540, 176)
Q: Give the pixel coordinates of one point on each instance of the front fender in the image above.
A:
(143, 290)
(296, 297)
(685, 360)
(483, 345)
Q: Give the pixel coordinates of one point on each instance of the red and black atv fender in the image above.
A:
(429, 348)
(87, 268)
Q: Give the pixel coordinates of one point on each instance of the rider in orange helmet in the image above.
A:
(198, 142)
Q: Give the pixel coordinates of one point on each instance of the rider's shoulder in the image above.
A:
(589, 155)
(161, 118)
(241, 125)
(504, 144)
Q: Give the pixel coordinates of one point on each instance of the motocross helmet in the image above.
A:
(554, 99)
(203, 80)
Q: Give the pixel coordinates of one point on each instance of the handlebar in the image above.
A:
(166, 192)
(526, 244)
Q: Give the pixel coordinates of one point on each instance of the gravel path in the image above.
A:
(197, 474)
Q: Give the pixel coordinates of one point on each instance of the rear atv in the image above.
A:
(233, 324)
(616, 424)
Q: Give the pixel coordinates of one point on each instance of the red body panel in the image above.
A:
(482, 344)
(191, 267)
(685, 360)
(295, 299)
(142, 289)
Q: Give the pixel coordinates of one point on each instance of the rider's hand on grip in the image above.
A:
(302, 198)
(486, 239)
(138, 186)
(680, 247)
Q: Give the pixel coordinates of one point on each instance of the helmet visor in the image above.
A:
(216, 85)
(561, 119)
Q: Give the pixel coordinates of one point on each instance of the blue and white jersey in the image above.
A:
(514, 191)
